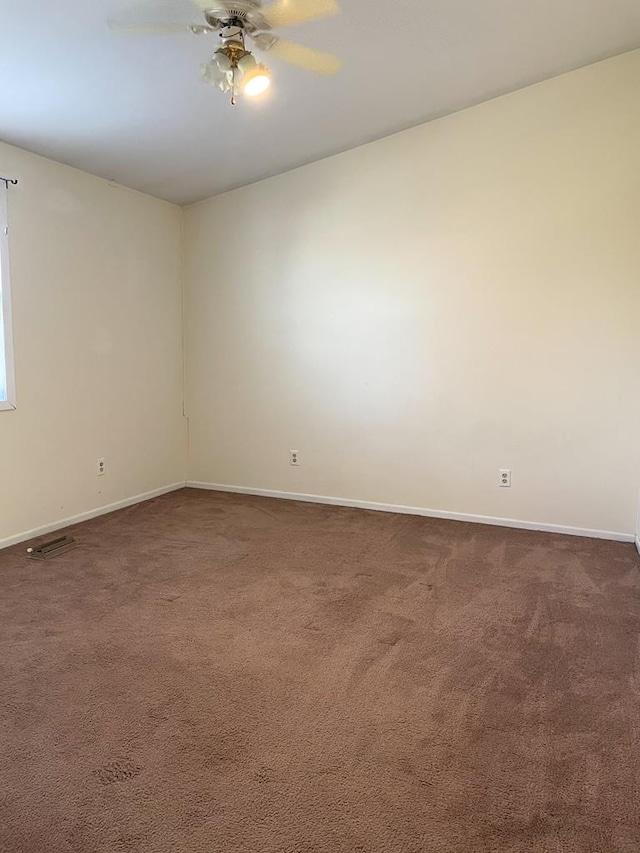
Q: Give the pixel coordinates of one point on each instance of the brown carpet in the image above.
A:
(213, 673)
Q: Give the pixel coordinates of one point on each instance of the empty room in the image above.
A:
(320, 426)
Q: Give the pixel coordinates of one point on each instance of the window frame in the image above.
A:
(5, 282)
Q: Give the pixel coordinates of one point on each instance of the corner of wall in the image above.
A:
(183, 287)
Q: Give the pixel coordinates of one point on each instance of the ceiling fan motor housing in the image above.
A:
(244, 13)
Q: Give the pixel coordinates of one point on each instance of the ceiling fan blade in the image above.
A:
(264, 41)
(158, 29)
(306, 57)
(286, 13)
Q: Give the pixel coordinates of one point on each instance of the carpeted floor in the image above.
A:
(213, 673)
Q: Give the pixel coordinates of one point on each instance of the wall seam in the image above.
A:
(183, 308)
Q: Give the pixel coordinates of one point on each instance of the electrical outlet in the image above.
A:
(294, 458)
(101, 467)
(505, 478)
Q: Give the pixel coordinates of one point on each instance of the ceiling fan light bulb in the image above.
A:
(257, 82)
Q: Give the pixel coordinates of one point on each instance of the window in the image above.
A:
(7, 387)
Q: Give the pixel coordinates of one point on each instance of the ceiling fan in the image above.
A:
(233, 68)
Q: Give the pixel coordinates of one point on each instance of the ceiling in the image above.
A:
(133, 109)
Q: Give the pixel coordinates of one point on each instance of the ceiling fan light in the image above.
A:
(212, 75)
(208, 73)
(222, 60)
(247, 64)
(256, 82)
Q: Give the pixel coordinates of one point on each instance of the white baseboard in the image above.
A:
(86, 516)
(320, 499)
(413, 510)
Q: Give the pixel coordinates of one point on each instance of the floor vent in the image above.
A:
(49, 550)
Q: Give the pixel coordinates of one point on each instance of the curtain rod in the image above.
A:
(7, 181)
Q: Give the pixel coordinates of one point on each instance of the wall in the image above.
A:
(418, 313)
(96, 282)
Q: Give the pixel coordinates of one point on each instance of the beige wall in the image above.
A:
(411, 316)
(418, 313)
(96, 280)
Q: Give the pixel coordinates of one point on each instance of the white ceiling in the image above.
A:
(133, 109)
